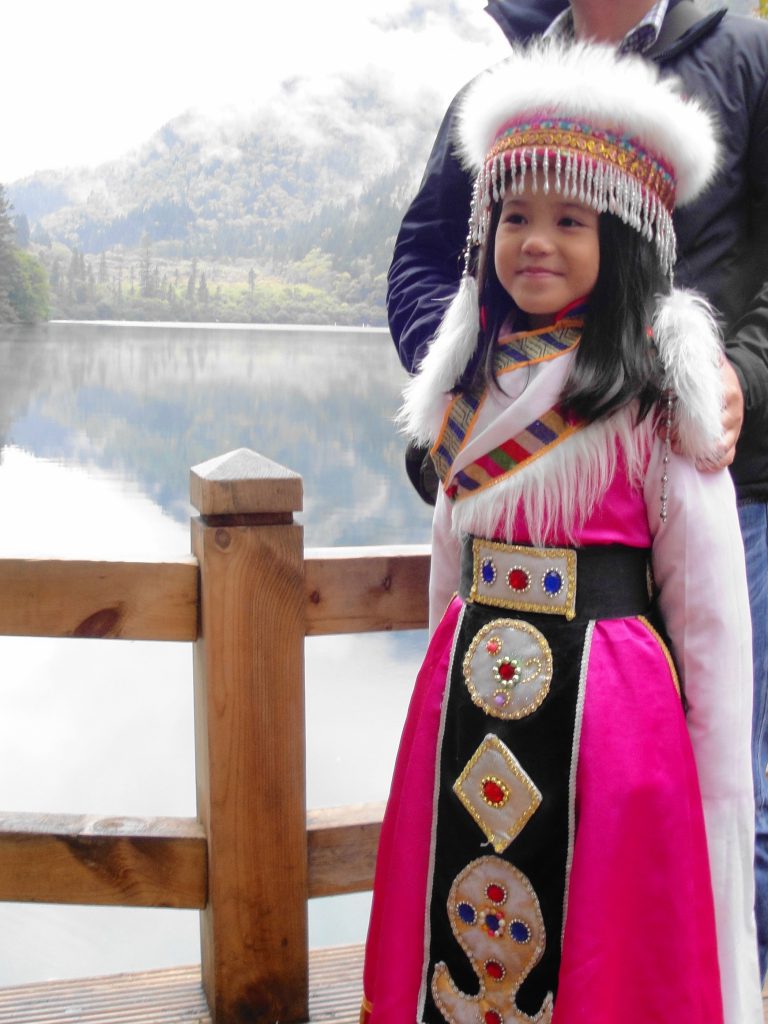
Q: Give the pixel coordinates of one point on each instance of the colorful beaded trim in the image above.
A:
(608, 173)
(623, 152)
(512, 352)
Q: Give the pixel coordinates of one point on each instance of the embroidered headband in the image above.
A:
(594, 126)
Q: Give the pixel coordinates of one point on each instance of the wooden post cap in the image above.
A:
(243, 482)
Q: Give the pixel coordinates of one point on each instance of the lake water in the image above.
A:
(99, 424)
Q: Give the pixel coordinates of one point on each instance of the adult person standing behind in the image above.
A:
(721, 58)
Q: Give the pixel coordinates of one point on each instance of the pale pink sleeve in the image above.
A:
(698, 564)
(446, 561)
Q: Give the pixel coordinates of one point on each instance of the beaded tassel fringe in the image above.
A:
(602, 186)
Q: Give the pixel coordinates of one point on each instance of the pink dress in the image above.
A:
(655, 923)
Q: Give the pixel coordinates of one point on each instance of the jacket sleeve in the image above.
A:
(427, 261)
(698, 564)
(747, 341)
(446, 561)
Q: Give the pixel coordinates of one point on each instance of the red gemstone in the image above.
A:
(492, 1017)
(495, 970)
(518, 579)
(493, 647)
(507, 670)
(493, 792)
(496, 893)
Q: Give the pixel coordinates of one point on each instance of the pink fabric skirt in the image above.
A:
(639, 942)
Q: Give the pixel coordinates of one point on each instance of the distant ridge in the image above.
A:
(317, 165)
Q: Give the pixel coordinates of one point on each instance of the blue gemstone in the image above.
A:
(553, 582)
(466, 912)
(492, 922)
(519, 931)
(488, 571)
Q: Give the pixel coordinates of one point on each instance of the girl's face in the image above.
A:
(546, 253)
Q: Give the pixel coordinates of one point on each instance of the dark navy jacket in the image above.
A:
(722, 237)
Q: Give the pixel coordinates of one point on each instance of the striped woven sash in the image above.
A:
(512, 353)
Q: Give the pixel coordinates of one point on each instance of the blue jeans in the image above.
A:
(753, 516)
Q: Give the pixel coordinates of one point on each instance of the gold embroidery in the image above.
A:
(513, 686)
(509, 559)
(665, 651)
(493, 762)
(502, 942)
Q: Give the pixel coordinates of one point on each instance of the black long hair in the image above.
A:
(615, 362)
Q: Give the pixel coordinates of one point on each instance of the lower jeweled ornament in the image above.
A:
(496, 919)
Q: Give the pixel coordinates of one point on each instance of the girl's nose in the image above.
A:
(536, 242)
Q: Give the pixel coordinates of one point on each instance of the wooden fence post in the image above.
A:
(250, 744)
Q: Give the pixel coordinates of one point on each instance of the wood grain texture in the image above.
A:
(175, 995)
(243, 482)
(249, 722)
(133, 862)
(356, 590)
(342, 848)
(59, 597)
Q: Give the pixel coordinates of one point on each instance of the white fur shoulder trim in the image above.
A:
(425, 395)
(690, 348)
(560, 490)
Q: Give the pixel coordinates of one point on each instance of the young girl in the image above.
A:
(569, 833)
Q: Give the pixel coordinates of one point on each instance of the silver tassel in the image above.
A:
(664, 494)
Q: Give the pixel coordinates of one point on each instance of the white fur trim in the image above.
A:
(425, 395)
(589, 81)
(690, 349)
(562, 488)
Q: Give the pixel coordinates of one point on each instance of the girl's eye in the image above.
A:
(570, 222)
(514, 218)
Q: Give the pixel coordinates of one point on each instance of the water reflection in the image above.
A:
(98, 427)
(148, 402)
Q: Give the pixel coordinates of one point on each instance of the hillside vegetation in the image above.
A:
(286, 213)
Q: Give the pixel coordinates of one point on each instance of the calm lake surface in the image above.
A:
(99, 424)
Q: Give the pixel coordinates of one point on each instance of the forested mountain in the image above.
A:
(23, 282)
(304, 192)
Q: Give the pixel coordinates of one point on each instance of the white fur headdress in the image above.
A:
(612, 133)
(607, 130)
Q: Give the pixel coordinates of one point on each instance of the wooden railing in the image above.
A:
(253, 856)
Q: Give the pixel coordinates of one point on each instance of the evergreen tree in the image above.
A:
(29, 291)
(192, 281)
(7, 261)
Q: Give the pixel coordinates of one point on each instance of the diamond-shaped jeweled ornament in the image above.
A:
(497, 792)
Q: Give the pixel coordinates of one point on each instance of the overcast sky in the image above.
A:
(84, 81)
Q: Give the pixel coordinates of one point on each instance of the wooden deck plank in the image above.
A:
(175, 995)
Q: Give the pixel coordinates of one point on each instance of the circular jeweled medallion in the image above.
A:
(528, 664)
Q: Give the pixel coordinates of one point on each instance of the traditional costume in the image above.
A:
(569, 832)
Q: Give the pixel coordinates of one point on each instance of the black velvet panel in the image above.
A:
(543, 744)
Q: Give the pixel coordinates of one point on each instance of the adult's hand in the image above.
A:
(732, 419)
(733, 415)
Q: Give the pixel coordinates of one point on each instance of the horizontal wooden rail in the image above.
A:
(161, 862)
(360, 590)
(349, 590)
(131, 862)
(342, 848)
(58, 597)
